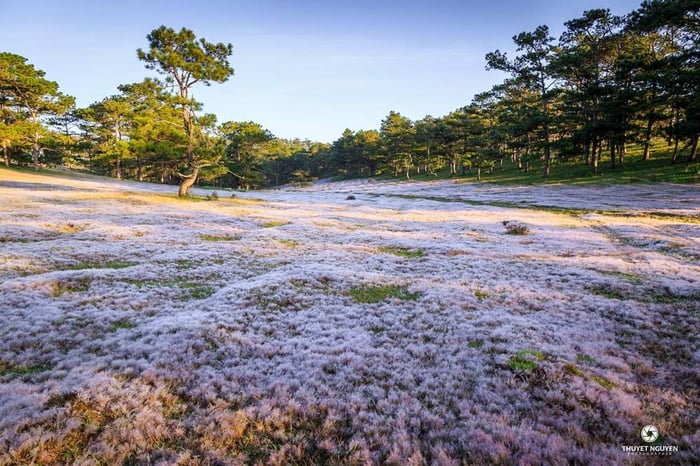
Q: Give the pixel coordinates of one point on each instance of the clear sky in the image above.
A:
(306, 69)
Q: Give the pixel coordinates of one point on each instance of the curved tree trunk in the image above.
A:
(188, 182)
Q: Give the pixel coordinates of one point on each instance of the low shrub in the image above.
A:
(516, 228)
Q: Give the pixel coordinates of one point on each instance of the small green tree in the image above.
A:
(245, 152)
(396, 142)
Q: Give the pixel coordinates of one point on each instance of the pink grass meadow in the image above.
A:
(136, 328)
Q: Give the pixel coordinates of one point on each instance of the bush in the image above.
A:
(350, 198)
(515, 228)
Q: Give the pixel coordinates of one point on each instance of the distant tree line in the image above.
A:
(608, 82)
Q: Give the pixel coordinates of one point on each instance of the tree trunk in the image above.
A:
(621, 152)
(613, 154)
(647, 140)
(139, 169)
(478, 173)
(547, 162)
(675, 150)
(187, 183)
(119, 166)
(595, 156)
(6, 153)
(693, 150)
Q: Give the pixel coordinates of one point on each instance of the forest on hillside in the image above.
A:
(609, 82)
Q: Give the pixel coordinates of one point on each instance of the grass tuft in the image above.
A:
(274, 223)
(408, 253)
(525, 361)
(120, 324)
(572, 369)
(603, 382)
(219, 238)
(96, 264)
(290, 243)
(584, 358)
(368, 294)
(13, 370)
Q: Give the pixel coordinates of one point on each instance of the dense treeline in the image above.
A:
(606, 83)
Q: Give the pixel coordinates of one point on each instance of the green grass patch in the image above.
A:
(525, 361)
(191, 289)
(275, 223)
(628, 277)
(120, 324)
(290, 243)
(13, 370)
(218, 238)
(481, 294)
(608, 291)
(573, 369)
(476, 344)
(408, 253)
(584, 358)
(369, 294)
(195, 290)
(603, 382)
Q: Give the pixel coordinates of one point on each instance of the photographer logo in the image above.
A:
(650, 436)
(650, 433)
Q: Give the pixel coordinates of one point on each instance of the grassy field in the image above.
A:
(362, 322)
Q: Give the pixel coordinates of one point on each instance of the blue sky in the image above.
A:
(305, 69)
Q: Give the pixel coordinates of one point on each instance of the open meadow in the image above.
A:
(354, 322)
